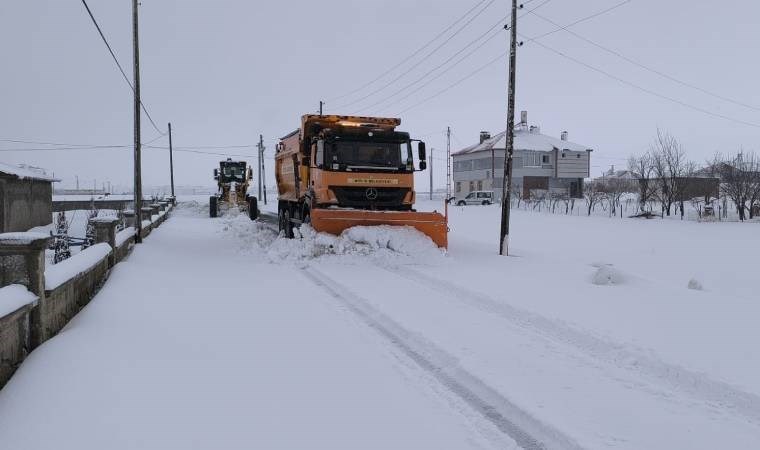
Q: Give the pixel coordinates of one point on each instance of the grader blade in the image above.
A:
(335, 221)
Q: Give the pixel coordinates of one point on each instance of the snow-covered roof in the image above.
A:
(524, 140)
(26, 172)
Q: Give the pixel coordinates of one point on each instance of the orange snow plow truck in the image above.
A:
(336, 172)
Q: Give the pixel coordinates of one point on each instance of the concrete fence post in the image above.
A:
(105, 231)
(145, 213)
(129, 218)
(22, 260)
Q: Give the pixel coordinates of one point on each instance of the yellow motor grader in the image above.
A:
(233, 179)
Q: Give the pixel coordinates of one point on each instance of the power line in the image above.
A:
(493, 61)
(56, 149)
(412, 55)
(116, 60)
(583, 19)
(456, 83)
(423, 59)
(384, 100)
(647, 68)
(456, 63)
(646, 90)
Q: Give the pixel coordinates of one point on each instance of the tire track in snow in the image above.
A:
(678, 378)
(527, 431)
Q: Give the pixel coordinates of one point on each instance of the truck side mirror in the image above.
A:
(250, 173)
(216, 174)
(421, 151)
(423, 165)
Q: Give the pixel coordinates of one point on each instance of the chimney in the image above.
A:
(563, 136)
(484, 135)
(524, 118)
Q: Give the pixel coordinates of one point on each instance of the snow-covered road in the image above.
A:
(218, 334)
(191, 345)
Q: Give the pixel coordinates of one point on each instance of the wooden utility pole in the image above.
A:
(263, 169)
(448, 163)
(506, 188)
(137, 167)
(171, 159)
(321, 104)
(431, 172)
(261, 152)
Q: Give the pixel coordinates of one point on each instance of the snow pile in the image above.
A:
(123, 235)
(606, 274)
(383, 244)
(13, 297)
(21, 238)
(253, 236)
(192, 207)
(67, 269)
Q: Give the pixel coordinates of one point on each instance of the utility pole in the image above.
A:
(431, 172)
(263, 169)
(506, 188)
(171, 159)
(137, 167)
(448, 163)
(260, 146)
(321, 104)
(77, 176)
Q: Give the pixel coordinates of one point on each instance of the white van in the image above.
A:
(475, 198)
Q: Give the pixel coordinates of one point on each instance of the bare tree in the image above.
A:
(642, 168)
(669, 164)
(740, 180)
(613, 189)
(592, 195)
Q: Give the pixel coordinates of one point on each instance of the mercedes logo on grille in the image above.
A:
(371, 193)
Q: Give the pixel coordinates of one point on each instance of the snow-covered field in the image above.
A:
(595, 333)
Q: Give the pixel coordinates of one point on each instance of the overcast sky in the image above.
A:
(225, 71)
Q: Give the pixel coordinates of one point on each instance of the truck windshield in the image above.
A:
(233, 172)
(365, 154)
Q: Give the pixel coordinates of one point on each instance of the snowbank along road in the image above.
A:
(377, 339)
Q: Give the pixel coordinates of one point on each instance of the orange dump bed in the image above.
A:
(334, 221)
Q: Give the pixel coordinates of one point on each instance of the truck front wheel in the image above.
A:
(212, 206)
(253, 208)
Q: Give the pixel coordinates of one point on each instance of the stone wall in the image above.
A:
(59, 305)
(22, 262)
(15, 341)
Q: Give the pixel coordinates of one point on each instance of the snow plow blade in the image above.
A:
(335, 221)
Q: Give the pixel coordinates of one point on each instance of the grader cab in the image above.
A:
(233, 179)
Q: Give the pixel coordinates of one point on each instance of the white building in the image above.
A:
(541, 163)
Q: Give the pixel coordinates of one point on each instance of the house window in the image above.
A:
(488, 174)
(532, 159)
(544, 159)
(563, 155)
(480, 185)
(472, 186)
(458, 186)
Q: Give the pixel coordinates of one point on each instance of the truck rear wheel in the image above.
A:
(212, 206)
(286, 226)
